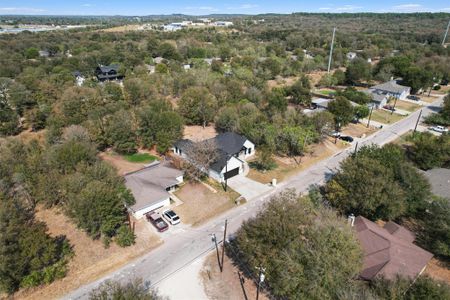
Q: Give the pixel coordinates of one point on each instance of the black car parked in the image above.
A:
(346, 138)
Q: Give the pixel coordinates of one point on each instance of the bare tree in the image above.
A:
(200, 157)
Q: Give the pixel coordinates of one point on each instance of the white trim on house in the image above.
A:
(138, 214)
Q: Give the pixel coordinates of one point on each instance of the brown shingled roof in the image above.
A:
(389, 251)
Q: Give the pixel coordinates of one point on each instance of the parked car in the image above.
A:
(389, 107)
(157, 221)
(346, 138)
(438, 128)
(171, 216)
(335, 134)
(412, 97)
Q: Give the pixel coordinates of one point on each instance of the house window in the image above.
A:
(249, 150)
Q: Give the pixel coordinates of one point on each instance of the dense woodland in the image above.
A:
(151, 109)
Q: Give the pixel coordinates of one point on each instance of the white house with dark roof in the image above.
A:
(151, 186)
(233, 149)
(392, 89)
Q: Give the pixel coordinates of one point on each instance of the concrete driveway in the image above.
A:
(247, 187)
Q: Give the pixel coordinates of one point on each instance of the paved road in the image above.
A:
(183, 248)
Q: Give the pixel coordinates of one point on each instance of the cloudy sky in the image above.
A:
(203, 7)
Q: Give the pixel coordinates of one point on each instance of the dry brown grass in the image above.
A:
(123, 166)
(123, 28)
(287, 166)
(198, 133)
(91, 260)
(438, 270)
(281, 81)
(385, 117)
(201, 204)
(427, 99)
(358, 130)
(226, 285)
(408, 106)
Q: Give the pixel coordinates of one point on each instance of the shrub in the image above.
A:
(125, 237)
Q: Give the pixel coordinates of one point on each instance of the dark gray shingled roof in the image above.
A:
(228, 143)
(149, 185)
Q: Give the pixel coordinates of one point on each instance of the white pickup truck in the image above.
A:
(438, 128)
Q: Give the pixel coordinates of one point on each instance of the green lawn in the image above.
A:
(326, 92)
(140, 158)
(385, 117)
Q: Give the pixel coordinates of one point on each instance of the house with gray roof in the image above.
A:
(389, 251)
(232, 151)
(378, 99)
(150, 187)
(105, 73)
(392, 88)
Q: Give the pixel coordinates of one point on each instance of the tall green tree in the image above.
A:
(363, 186)
(307, 251)
(342, 110)
(198, 106)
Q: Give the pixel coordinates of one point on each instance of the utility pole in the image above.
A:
(331, 50)
(393, 108)
(370, 116)
(445, 35)
(261, 278)
(356, 148)
(417, 122)
(223, 242)
(217, 250)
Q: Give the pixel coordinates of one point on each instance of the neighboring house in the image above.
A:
(110, 72)
(79, 78)
(223, 24)
(351, 55)
(392, 89)
(389, 251)
(233, 149)
(150, 187)
(379, 99)
(322, 103)
(158, 60)
(439, 179)
(187, 67)
(44, 53)
(150, 69)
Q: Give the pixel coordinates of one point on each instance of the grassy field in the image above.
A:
(140, 158)
(326, 92)
(385, 117)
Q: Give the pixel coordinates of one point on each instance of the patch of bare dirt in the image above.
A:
(358, 130)
(198, 133)
(230, 284)
(122, 165)
(91, 260)
(438, 270)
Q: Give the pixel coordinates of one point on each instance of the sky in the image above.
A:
(205, 7)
